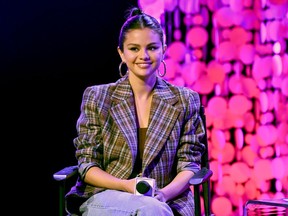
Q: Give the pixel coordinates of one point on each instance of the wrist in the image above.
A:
(161, 195)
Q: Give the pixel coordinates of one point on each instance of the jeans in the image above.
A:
(119, 203)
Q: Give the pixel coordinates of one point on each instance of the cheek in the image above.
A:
(129, 57)
(159, 58)
(159, 55)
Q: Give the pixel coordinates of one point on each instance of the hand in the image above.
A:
(159, 195)
(129, 185)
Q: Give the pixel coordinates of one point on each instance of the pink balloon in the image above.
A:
(262, 68)
(223, 17)
(191, 71)
(239, 36)
(176, 51)
(263, 101)
(217, 107)
(216, 72)
(248, 155)
(218, 139)
(266, 152)
(240, 172)
(239, 138)
(227, 51)
(277, 65)
(249, 120)
(247, 53)
(284, 86)
(225, 186)
(170, 5)
(239, 104)
(266, 134)
(203, 85)
(225, 155)
(217, 206)
(263, 171)
(278, 168)
(197, 37)
(250, 189)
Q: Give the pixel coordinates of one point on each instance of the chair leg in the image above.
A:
(197, 200)
(61, 198)
(206, 193)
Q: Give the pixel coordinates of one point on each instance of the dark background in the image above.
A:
(50, 51)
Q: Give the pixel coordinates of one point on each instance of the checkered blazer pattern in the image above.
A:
(107, 135)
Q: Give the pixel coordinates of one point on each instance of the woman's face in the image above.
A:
(142, 52)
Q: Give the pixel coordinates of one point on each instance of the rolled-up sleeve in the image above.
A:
(89, 148)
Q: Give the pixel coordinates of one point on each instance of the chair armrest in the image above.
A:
(65, 173)
(201, 176)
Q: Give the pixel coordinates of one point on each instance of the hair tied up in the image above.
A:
(135, 11)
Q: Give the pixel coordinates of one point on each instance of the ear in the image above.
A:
(164, 50)
(121, 54)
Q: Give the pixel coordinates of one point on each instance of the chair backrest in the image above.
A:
(205, 157)
(205, 164)
(202, 177)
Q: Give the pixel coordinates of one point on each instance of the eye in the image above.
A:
(135, 49)
(152, 48)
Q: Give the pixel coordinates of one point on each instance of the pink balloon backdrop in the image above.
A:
(234, 53)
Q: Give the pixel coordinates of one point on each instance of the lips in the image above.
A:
(143, 65)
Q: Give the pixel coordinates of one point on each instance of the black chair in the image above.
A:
(202, 177)
(200, 182)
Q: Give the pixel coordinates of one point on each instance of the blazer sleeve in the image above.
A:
(190, 147)
(89, 148)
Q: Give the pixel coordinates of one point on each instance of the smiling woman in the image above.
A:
(139, 126)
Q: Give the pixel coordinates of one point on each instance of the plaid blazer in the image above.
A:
(107, 136)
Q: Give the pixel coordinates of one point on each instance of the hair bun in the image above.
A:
(135, 11)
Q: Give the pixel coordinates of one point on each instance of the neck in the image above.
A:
(142, 88)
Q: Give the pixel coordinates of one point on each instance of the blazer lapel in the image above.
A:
(123, 113)
(159, 130)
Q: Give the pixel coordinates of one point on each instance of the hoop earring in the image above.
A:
(164, 73)
(120, 72)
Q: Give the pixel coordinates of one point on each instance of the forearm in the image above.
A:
(179, 184)
(99, 178)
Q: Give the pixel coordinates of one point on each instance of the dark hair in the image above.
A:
(137, 19)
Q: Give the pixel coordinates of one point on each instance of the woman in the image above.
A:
(141, 125)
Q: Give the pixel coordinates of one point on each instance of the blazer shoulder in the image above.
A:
(182, 90)
(100, 89)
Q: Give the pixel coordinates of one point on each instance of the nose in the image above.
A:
(144, 54)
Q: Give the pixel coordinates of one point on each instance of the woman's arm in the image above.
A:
(179, 184)
(99, 178)
(189, 152)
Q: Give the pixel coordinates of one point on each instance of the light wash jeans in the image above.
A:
(118, 203)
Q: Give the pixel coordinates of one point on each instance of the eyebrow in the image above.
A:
(134, 44)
